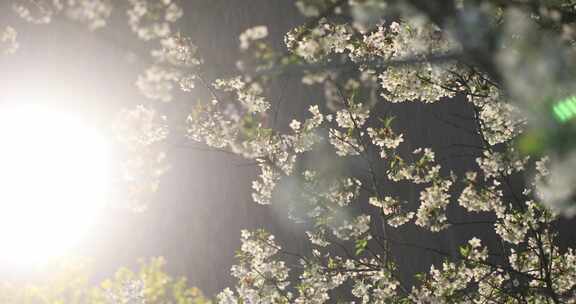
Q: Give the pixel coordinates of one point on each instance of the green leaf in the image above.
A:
(331, 263)
(361, 246)
(387, 121)
(465, 251)
(353, 95)
(420, 277)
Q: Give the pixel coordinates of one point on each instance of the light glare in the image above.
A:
(53, 182)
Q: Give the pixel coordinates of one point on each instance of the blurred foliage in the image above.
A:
(70, 283)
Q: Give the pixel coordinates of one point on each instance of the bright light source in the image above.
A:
(53, 182)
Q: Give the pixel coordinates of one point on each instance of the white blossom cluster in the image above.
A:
(354, 116)
(319, 42)
(264, 186)
(142, 166)
(260, 253)
(249, 94)
(424, 170)
(309, 8)
(413, 40)
(392, 209)
(385, 139)
(153, 19)
(354, 229)
(141, 126)
(481, 199)
(131, 292)
(345, 143)
(326, 205)
(376, 287)
(252, 34)
(176, 55)
(275, 153)
(398, 41)
(140, 175)
(433, 202)
(93, 13)
(305, 136)
(501, 122)
(209, 125)
(496, 164)
(553, 183)
(376, 44)
(348, 139)
(318, 237)
(445, 283)
(398, 83)
(8, 40)
(39, 12)
(158, 83)
(315, 285)
(560, 264)
(262, 278)
(178, 50)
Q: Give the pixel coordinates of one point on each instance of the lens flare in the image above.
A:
(53, 182)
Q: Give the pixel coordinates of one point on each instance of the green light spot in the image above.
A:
(561, 116)
(566, 113)
(565, 109)
(572, 105)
